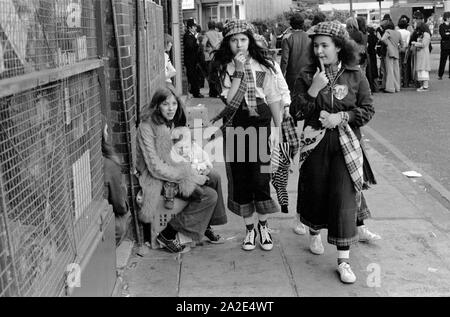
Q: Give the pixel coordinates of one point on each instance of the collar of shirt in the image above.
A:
(256, 67)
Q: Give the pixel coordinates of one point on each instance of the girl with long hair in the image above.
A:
(156, 165)
(422, 61)
(252, 101)
(393, 40)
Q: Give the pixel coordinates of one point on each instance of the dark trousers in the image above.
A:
(248, 170)
(213, 79)
(403, 75)
(192, 76)
(372, 73)
(410, 69)
(445, 54)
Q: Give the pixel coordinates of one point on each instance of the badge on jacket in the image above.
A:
(340, 91)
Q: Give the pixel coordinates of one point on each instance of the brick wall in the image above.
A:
(142, 73)
(122, 104)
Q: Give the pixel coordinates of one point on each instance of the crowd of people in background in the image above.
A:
(394, 55)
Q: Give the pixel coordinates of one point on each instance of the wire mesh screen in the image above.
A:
(51, 173)
(83, 135)
(153, 59)
(44, 34)
(35, 186)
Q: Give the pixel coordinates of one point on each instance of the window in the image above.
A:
(211, 14)
(225, 12)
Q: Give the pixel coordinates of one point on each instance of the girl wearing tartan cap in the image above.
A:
(333, 97)
(252, 101)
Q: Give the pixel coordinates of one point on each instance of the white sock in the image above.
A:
(263, 218)
(344, 254)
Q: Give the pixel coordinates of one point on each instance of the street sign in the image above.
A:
(188, 4)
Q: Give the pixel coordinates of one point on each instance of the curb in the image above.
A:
(399, 155)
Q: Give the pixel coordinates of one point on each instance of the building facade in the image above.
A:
(204, 11)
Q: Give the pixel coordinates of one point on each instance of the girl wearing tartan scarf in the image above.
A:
(252, 101)
(334, 99)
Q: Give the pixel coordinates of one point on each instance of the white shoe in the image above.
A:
(315, 244)
(249, 243)
(298, 227)
(265, 238)
(366, 236)
(346, 273)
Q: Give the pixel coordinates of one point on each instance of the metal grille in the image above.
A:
(35, 186)
(45, 34)
(83, 135)
(51, 177)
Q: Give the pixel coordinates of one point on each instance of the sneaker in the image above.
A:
(346, 273)
(366, 236)
(298, 227)
(265, 237)
(173, 246)
(440, 77)
(213, 237)
(315, 244)
(422, 89)
(249, 243)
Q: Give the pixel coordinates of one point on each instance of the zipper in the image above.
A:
(341, 71)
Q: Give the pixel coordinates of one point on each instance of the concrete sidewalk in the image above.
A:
(412, 259)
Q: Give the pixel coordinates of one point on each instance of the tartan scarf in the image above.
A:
(289, 145)
(290, 136)
(249, 81)
(351, 149)
(353, 155)
(246, 88)
(332, 71)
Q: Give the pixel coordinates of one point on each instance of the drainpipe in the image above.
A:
(177, 45)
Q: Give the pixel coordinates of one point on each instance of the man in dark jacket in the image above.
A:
(295, 50)
(191, 58)
(444, 31)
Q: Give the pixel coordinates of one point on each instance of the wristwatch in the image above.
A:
(238, 74)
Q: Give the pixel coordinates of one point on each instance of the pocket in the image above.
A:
(260, 76)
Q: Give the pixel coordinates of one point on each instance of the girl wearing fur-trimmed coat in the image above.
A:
(155, 165)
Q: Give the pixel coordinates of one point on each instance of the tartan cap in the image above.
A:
(332, 28)
(260, 38)
(235, 27)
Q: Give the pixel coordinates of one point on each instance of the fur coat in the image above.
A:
(155, 165)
